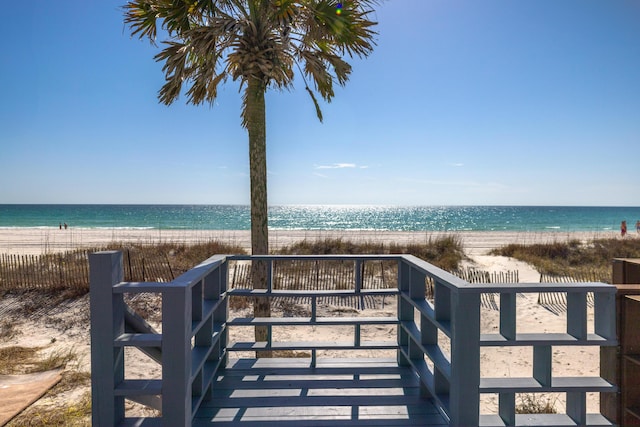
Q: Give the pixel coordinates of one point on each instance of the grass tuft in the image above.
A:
(574, 258)
(25, 360)
(77, 414)
(56, 360)
(531, 403)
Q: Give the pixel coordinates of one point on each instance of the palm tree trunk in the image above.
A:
(256, 126)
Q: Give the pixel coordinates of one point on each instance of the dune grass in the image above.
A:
(76, 414)
(25, 360)
(531, 403)
(574, 257)
(445, 252)
(165, 261)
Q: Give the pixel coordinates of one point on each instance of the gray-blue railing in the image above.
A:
(194, 343)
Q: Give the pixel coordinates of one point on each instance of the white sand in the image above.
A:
(37, 241)
(64, 328)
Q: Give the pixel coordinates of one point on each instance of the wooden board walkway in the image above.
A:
(337, 392)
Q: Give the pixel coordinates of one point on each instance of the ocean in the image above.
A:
(312, 217)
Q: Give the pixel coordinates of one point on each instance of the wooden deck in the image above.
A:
(199, 387)
(337, 392)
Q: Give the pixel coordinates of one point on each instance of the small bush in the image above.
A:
(530, 403)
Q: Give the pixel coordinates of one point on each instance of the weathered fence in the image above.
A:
(312, 275)
(302, 275)
(556, 302)
(473, 275)
(70, 270)
(43, 272)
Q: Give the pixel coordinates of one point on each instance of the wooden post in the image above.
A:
(404, 309)
(107, 322)
(176, 357)
(465, 358)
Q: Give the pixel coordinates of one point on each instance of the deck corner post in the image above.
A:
(465, 358)
(176, 360)
(404, 309)
(605, 314)
(107, 362)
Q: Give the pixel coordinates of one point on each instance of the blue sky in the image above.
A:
(474, 102)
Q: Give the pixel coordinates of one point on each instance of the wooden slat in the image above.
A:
(276, 382)
(138, 340)
(544, 420)
(305, 293)
(138, 387)
(487, 340)
(337, 392)
(263, 345)
(558, 384)
(300, 321)
(303, 366)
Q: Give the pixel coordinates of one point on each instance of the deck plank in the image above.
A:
(336, 392)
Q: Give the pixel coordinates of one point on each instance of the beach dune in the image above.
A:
(38, 241)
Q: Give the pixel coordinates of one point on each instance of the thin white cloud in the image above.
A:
(456, 165)
(320, 175)
(337, 166)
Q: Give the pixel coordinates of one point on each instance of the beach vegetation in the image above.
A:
(179, 256)
(16, 360)
(446, 252)
(166, 261)
(532, 403)
(27, 360)
(573, 258)
(71, 414)
(66, 275)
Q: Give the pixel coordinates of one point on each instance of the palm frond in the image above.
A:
(315, 103)
(140, 16)
(174, 56)
(212, 40)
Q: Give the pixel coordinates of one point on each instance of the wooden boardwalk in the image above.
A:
(337, 392)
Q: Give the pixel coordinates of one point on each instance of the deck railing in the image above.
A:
(440, 339)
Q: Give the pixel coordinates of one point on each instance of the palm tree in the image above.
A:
(259, 43)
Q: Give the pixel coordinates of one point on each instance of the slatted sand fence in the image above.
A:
(474, 275)
(141, 268)
(70, 270)
(556, 302)
(312, 275)
(45, 272)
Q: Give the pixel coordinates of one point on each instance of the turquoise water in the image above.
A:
(229, 217)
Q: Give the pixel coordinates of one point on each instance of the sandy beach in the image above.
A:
(65, 326)
(38, 241)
